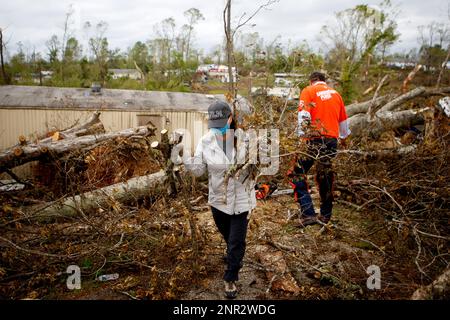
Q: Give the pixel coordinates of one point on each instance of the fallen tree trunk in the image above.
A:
(101, 198)
(362, 124)
(392, 105)
(363, 107)
(403, 150)
(19, 155)
(417, 92)
(91, 126)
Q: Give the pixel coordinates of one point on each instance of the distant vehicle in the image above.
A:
(96, 88)
(219, 72)
(283, 82)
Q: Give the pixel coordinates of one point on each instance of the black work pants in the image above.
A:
(234, 231)
(320, 150)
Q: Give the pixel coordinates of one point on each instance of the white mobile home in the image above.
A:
(32, 111)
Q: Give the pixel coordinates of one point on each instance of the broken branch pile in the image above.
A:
(113, 214)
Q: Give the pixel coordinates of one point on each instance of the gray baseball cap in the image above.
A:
(218, 114)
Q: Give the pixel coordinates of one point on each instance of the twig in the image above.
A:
(419, 251)
(389, 195)
(35, 252)
(129, 295)
(241, 24)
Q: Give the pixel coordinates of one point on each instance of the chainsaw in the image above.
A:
(265, 190)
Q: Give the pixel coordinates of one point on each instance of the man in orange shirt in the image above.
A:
(321, 121)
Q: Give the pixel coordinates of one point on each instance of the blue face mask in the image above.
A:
(221, 131)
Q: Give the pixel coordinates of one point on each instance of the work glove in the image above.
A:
(175, 156)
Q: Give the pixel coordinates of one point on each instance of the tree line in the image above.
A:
(353, 49)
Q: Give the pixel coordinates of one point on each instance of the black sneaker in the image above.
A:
(304, 221)
(230, 290)
(324, 219)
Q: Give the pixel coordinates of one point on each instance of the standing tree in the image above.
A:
(5, 76)
(98, 45)
(194, 16)
(229, 38)
(67, 34)
(53, 49)
(166, 33)
(434, 41)
(353, 39)
(37, 63)
(139, 55)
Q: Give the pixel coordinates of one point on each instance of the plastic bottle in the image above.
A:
(108, 277)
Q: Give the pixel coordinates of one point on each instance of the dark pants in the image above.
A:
(322, 151)
(234, 230)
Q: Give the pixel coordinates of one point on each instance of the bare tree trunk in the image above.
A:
(361, 124)
(40, 72)
(5, 76)
(363, 107)
(443, 67)
(392, 105)
(417, 92)
(229, 48)
(80, 130)
(141, 72)
(91, 126)
(373, 107)
(19, 155)
(409, 78)
(87, 202)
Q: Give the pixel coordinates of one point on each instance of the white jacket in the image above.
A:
(210, 156)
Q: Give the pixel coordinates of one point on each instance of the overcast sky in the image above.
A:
(34, 21)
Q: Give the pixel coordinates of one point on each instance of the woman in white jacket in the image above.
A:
(216, 153)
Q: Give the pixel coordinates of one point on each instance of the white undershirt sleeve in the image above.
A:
(304, 117)
(344, 130)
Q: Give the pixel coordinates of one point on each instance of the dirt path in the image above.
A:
(325, 265)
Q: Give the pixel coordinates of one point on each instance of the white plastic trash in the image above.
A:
(108, 277)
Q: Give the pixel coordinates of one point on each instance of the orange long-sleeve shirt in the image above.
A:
(325, 109)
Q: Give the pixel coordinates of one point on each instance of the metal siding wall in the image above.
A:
(34, 122)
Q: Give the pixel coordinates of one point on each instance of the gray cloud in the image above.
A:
(33, 22)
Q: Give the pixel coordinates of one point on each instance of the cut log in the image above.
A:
(22, 140)
(109, 196)
(361, 124)
(11, 158)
